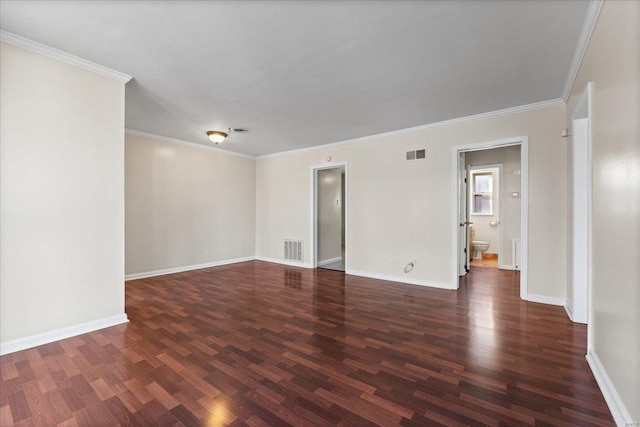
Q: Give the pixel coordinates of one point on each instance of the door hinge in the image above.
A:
(465, 250)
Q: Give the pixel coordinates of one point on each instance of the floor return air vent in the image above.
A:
(293, 250)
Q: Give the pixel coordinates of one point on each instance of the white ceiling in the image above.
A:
(300, 74)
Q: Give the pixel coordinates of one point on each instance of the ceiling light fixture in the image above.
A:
(216, 136)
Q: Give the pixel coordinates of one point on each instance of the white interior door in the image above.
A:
(463, 217)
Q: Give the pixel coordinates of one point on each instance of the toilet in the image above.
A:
(479, 246)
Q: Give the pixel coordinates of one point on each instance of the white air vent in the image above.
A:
(293, 250)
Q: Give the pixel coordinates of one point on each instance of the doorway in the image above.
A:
(330, 217)
(491, 207)
(484, 201)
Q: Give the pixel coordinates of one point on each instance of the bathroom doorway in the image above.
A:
(491, 230)
(485, 197)
(330, 215)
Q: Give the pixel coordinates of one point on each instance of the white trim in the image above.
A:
(523, 141)
(505, 267)
(400, 279)
(580, 158)
(185, 143)
(568, 309)
(543, 299)
(507, 111)
(62, 333)
(154, 273)
(329, 261)
(45, 50)
(619, 411)
(313, 237)
(590, 313)
(587, 30)
(284, 262)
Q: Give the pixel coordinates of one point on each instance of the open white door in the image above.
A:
(463, 217)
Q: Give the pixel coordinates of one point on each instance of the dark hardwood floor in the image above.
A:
(262, 344)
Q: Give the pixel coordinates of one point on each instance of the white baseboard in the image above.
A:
(329, 261)
(621, 416)
(546, 300)
(62, 333)
(505, 267)
(154, 273)
(401, 279)
(284, 262)
(569, 310)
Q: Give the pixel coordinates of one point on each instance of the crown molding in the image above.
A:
(25, 43)
(587, 30)
(504, 112)
(186, 143)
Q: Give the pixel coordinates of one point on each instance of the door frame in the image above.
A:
(582, 111)
(523, 142)
(313, 238)
(500, 194)
(463, 235)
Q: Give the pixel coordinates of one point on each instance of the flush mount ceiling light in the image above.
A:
(216, 136)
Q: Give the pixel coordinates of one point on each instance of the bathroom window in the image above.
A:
(482, 194)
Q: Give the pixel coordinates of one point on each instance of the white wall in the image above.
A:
(186, 205)
(612, 63)
(62, 190)
(401, 210)
(329, 214)
(509, 157)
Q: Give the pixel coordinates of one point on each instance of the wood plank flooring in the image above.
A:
(485, 262)
(262, 344)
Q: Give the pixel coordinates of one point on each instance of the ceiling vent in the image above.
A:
(293, 250)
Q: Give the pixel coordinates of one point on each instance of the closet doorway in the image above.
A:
(329, 214)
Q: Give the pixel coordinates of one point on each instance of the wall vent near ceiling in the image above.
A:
(417, 154)
(293, 250)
